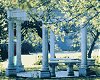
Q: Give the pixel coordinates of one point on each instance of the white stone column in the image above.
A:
(19, 66)
(11, 70)
(52, 44)
(52, 53)
(83, 67)
(45, 73)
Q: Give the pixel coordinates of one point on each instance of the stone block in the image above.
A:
(11, 72)
(44, 74)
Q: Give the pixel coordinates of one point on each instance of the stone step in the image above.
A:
(35, 74)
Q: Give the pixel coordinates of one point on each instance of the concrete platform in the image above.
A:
(35, 74)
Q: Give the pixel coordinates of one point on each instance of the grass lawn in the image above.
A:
(30, 63)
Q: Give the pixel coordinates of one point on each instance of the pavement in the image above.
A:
(35, 74)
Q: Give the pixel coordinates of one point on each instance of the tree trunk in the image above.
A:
(93, 43)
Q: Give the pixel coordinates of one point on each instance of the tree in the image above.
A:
(3, 23)
(76, 12)
(79, 13)
(34, 26)
(3, 32)
(96, 36)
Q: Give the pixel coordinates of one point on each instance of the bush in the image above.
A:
(29, 48)
(4, 51)
(39, 62)
(26, 48)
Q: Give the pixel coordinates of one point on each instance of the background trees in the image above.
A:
(3, 32)
(3, 23)
(63, 14)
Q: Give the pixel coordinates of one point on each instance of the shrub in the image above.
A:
(39, 62)
(4, 51)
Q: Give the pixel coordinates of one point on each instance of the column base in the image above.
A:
(52, 71)
(70, 73)
(20, 69)
(83, 72)
(44, 74)
(10, 72)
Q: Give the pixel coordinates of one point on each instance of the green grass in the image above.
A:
(60, 67)
(3, 77)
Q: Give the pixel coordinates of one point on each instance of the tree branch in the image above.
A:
(93, 44)
(92, 33)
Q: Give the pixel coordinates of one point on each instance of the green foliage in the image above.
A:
(3, 52)
(3, 22)
(79, 13)
(39, 62)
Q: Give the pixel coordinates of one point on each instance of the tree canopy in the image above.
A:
(3, 23)
(77, 12)
(72, 15)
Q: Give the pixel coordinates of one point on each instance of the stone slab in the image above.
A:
(35, 74)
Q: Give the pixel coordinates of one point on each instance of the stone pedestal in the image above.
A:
(70, 71)
(53, 74)
(11, 71)
(52, 69)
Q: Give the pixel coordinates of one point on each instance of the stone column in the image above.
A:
(52, 44)
(19, 66)
(45, 73)
(83, 66)
(11, 70)
(52, 53)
